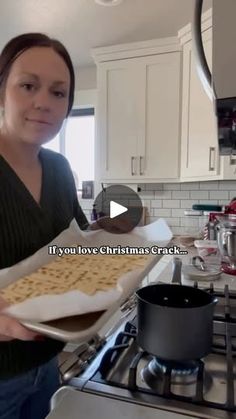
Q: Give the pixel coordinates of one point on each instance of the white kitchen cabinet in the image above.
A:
(199, 144)
(118, 98)
(138, 118)
(200, 158)
(159, 138)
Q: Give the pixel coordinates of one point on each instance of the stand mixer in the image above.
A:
(226, 237)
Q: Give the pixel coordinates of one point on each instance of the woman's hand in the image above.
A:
(120, 224)
(11, 329)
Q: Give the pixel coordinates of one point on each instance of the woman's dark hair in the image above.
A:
(16, 46)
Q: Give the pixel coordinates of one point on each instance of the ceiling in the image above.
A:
(83, 24)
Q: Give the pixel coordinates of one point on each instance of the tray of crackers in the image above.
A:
(73, 296)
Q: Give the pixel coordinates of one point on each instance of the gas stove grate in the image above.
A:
(198, 397)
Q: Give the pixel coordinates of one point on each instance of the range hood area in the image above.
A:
(221, 85)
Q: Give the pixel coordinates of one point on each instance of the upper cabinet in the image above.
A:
(199, 146)
(200, 158)
(138, 113)
(154, 120)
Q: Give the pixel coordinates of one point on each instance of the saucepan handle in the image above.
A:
(176, 272)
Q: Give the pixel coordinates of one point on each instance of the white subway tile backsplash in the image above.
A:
(209, 185)
(171, 186)
(227, 185)
(189, 222)
(189, 186)
(156, 203)
(147, 194)
(161, 212)
(190, 230)
(188, 203)
(153, 186)
(199, 194)
(171, 203)
(163, 194)
(219, 194)
(180, 194)
(178, 230)
(175, 212)
(170, 200)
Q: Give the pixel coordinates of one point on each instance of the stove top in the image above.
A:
(203, 388)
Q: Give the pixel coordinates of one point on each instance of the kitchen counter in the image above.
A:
(163, 272)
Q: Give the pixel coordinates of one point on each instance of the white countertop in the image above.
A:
(163, 272)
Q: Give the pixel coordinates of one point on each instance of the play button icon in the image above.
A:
(121, 206)
(116, 209)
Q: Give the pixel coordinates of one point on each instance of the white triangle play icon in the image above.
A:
(116, 209)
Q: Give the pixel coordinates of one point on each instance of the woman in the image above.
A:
(37, 201)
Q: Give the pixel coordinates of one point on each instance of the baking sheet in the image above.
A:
(38, 311)
(82, 328)
(50, 307)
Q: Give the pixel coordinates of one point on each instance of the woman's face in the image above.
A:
(36, 95)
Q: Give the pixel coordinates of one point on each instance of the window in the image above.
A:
(76, 142)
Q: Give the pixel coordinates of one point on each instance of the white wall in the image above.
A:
(86, 78)
(85, 98)
(85, 87)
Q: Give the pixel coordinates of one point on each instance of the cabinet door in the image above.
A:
(158, 136)
(199, 152)
(118, 96)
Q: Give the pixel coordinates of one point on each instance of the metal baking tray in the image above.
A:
(83, 327)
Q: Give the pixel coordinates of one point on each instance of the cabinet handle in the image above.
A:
(133, 172)
(211, 165)
(141, 170)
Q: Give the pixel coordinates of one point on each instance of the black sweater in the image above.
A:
(26, 226)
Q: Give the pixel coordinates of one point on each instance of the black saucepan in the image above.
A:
(175, 322)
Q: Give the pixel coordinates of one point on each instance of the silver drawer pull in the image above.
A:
(212, 163)
(141, 165)
(133, 172)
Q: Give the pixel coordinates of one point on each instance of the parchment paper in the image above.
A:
(50, 307)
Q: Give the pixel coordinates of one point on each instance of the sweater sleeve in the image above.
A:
(80, 216)
(78, 213)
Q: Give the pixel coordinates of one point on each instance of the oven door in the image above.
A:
(68, 402)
